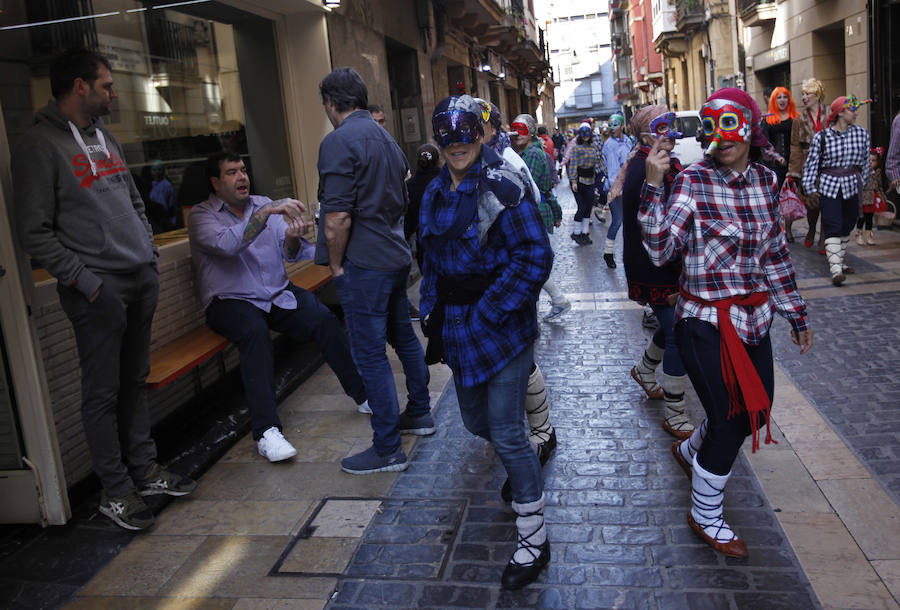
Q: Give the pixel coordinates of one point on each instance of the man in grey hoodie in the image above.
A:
(79, 214)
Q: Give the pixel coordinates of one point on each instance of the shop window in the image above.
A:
(191, 80)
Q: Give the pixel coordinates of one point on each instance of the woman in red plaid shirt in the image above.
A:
(722, 220)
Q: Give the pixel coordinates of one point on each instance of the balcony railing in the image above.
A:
(755, 12)
(746, 5)
(689, 13)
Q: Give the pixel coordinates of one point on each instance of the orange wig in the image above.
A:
(774, 114)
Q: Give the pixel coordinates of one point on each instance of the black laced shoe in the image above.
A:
(517, 575)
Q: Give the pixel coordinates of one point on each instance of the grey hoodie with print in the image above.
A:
(78, 211)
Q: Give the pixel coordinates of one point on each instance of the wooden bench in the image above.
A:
(173, 360)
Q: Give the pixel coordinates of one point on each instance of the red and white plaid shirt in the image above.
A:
(726, 227)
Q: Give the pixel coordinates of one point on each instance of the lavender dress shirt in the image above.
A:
(226, 268)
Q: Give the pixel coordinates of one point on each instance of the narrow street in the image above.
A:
(819, 510)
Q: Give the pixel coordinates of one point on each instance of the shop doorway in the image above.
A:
(829, 63)
(885, 62)
(406, 95)
(774, 76)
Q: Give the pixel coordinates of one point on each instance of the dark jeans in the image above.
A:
(377, 311)
(839, 215)
(698, 342)
(113, 338)
(615, 208)
(495, 411)
(665, 337)
(247, 326)
(584, 198)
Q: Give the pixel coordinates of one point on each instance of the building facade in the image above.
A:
(638, 65)
(702, 53)
(791, 41)
(192, 78)
(581, 57)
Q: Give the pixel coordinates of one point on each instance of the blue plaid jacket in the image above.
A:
(481, 339)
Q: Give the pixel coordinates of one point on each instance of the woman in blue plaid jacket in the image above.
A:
(487, 255)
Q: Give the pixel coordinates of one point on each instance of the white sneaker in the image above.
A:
(274, 447)
(364, 407)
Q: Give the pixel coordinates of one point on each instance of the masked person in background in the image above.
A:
(582, 167)
(647, 283)
(722, 219)
(487, 255)
(836, 169)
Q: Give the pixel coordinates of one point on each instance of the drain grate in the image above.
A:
(388, 538)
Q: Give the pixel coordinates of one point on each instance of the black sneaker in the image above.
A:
(609, 260)
(368, 462)
(423, 425)
(128, 512)
(413, 313)
(159, 481)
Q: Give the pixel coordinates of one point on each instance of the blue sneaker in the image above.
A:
(369, 461)
(423, 425)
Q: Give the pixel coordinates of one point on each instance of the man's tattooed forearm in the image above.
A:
(256, 224)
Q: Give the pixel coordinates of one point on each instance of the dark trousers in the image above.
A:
(113, 339)
(698, 342)
(584, 198)
(377, 313)
(665, 337)
(839, 214)
(865, 220)
(248, 326)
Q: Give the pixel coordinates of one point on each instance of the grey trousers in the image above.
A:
(113, 338)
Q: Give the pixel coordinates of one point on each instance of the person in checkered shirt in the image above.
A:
(836, 169)
(722, 220)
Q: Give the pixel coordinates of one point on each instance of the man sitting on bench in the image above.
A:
(239, 243)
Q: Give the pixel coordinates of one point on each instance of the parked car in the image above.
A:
(688, 149)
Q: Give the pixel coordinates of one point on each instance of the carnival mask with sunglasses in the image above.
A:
(722, 119)
(663, 126)
(456, 126)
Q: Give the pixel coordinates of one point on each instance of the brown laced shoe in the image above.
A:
(685, 465)
(733, 548)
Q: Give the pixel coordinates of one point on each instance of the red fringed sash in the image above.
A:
(745, 389)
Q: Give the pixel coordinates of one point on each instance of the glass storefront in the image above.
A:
(192, 78)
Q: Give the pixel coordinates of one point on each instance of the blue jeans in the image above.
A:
(665, 336)
(615, 207)
(377, 311)
(247, 326)
(839, 215)
(495, 411)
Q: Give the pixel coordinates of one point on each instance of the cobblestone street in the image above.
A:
(819, 510)
(616, 499)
